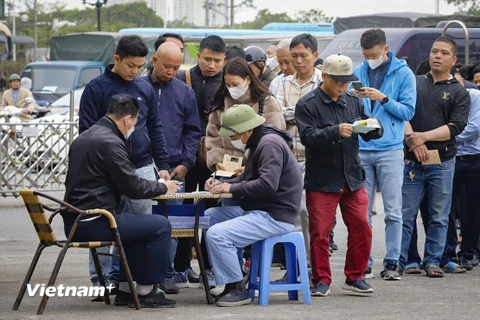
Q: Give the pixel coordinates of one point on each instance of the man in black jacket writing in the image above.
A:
(99, 173)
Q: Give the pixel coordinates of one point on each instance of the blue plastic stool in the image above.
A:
(262, 252)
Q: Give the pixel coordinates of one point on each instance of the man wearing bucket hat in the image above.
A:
(18, 97)
(334, 175)
(269, 193)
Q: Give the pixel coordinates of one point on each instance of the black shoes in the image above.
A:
(154, 299)
(466, 264)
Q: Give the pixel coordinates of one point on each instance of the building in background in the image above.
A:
(156, 5)
(194, 11)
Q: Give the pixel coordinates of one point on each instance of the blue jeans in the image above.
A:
(233, 228)
(170, 272)
(386, 169)
(142, 205)
(436, 181)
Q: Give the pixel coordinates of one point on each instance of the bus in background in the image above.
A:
(270, 34)
(410, 44)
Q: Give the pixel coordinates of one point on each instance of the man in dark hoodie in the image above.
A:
(269, 193)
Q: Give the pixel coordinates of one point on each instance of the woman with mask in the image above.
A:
(239, 86)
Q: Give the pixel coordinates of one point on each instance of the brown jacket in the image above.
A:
(218, 146)
(7, 100)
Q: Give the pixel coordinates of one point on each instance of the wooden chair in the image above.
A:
(42, 224)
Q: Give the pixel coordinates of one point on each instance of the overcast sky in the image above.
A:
(341, 8)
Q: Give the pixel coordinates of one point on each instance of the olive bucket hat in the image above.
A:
(14, 76)
(239, 118)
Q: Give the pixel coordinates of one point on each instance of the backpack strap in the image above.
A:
(261, 104)
(188, 78)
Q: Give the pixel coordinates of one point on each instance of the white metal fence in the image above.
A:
(35, 154)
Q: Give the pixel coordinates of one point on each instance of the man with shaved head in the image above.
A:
(179, 113)
(284, 58)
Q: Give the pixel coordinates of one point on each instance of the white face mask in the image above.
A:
(238, 143)
(374, 64)
(129, 132)
(237, 92)
(272, 63)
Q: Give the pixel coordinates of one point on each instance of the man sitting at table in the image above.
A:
(99, 172)
(269, 193)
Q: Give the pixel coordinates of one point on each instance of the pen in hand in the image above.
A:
(213, 179)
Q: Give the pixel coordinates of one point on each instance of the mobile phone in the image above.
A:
(358, 86)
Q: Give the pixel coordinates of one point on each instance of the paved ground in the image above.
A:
(414, 297)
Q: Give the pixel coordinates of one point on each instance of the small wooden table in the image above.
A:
(199, 199)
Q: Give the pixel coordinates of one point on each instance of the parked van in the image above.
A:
(52, 80)
(410, 44)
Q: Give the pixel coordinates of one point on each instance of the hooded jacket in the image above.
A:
(272, 181)
(400, 87)
(147, 141)
(218, 146)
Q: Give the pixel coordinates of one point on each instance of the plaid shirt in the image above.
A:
(288, 93)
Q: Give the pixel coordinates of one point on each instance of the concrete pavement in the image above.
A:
(414, 297)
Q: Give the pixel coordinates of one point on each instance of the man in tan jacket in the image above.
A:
(17, 96)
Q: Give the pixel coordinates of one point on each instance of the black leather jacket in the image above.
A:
(331, 161)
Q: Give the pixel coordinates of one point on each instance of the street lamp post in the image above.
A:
(98, 5)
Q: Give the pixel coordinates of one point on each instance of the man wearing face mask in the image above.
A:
(389, 95)
(269, 193)
(99, 173)
(146, 145)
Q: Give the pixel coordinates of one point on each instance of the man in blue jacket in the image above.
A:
(146, 144)
(179, 112)
(389, 95)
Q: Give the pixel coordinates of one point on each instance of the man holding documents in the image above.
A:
(441, 114)
(389, 94)
(334, 175)
(269, 193)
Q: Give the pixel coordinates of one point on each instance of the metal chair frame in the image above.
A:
(47, 238)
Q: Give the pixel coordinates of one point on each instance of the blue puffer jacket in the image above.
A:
(400, 88)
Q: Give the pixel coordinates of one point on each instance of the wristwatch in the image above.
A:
(384, 100)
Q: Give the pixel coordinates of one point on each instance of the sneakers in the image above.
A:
(181, 280)
(320, 290)
(234, 298)
(369, 273)
(168, 286)
(357, 286)
(192, 275)
(391, 272)
(123, 298)
(211, 280)
(154, 299)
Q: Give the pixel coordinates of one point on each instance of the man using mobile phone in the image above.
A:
(389, 95)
